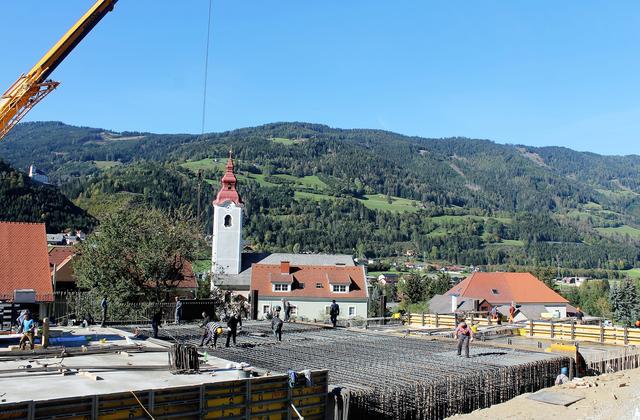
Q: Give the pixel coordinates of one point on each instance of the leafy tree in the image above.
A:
(137, 254)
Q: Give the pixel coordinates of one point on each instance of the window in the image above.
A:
(227, 220)
(319, 286)
(280, 287)
(327, 310)
(352, 311)
(294, 310)
(495, 291)
(339, 288)
(266, 309)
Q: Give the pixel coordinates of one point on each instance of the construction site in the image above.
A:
(404, 366)
(394, 372)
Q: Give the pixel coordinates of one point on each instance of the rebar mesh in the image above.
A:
(391, 376)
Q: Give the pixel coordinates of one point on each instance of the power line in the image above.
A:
(206, 67)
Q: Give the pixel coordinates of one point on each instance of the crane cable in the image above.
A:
(206, 68)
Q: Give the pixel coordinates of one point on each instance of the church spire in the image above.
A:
(228, 190)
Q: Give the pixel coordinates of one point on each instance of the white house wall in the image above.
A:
(313, 309)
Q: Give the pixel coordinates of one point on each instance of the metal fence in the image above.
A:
(70, 306)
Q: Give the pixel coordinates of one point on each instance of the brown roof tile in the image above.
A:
(24, 260)
(263, 275)
(510, 287)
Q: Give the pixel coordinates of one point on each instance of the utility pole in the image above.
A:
(199, 191)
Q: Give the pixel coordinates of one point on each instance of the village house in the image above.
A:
(483, 291)
(308, 281)
(25, 277)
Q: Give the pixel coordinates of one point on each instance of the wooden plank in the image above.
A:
(554, 398)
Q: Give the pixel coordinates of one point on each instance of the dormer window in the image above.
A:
(339, 288)
(227, 220)
(280, 287)
(495, 291)
(318, 285)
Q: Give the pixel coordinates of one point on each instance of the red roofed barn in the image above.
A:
(24, 261)
(531, 295)
(310, 289)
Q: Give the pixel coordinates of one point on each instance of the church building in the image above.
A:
(309, 282)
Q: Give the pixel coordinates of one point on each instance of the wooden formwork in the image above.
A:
(567, 331)
(268, 397)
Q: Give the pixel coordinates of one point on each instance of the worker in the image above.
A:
(562, 378)
(276, 326)
(28, 329)
(178, 313)
(464, 335)
(232, 328)
(155, 322)
(287, 311)
(638, 323)
(205, 321)
(579, 315)
(474, 328)
(213, 330)
(104, 304)
(512, 312)
(334, 311)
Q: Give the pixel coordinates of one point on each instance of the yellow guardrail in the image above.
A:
(568, 331)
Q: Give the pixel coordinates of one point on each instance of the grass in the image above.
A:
(633, 273)
(282, 140)
(312, 196)
(312, 181)
(621, 230)
(106, 164)
(208, 163)
(379, 202)
(508, 242)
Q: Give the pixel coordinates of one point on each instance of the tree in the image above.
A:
(438, 286)
(625, 302)
(413, 288)
(137, 254)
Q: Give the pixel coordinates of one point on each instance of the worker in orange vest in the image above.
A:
(512, 312)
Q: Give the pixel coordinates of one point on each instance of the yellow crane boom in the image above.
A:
(32, 87)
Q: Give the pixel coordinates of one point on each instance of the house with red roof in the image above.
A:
(24, 264)
(483, 291)
(310, 289)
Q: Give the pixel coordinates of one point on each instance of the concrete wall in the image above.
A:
(226, 256)
(315, 309)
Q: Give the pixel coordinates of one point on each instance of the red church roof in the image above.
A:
(228, 190)
(506, 288)
(24, 260)
(310, 276)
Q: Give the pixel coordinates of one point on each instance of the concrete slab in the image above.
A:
(21, 383)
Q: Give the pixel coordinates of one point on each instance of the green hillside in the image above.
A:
(320, 189)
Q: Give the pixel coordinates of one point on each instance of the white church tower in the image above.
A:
(226, 257)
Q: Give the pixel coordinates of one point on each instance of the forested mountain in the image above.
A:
(22, 200)
(316, 188)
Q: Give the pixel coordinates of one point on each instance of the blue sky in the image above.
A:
(537, 73)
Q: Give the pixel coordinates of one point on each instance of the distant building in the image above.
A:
(61, 266)
(310, 289)
(56, 239)
(388, 278)
(573, 281)
(37, 175)
(483, 291)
